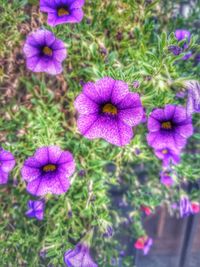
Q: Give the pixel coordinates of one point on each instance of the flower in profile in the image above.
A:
(193, 100)
(167, 156)
(79, 257)
(136, 84)
(176, 50)
(7, 163)
(44, 52)
(108, 110)
(109, 232)
(35, 209)
(146, 210)
(182, 34)
(166, 179)
(59, 11)
(48, 170)
(195, 207)
(169, 128)
(144, 243)
(185, 207)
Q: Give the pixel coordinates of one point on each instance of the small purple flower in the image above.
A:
(144, 243)
(185, 207)
(108, 233)
(193, 100)
(197, 59)
(79, 257)
(136, 84)
(167, 156)
(176, 50)
(108, 110)
(48, 170)
(182, 34)
(187, 56)
(35, 209)
(59, 11)
(7, 163)
(166, 179)
(44, 52)
(147, 246)
(169, 127)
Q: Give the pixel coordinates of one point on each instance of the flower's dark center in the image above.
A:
(49, 168)
(110, 109)
(47, 51)
(164, 151)
(167, 125)
(62, 11)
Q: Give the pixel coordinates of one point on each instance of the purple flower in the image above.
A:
(182, 34)
(35, 209)
(79, 257)
(108, 110)
(48, 170)
(176, 50)
(108, 233)
(166, 179)
(44, 52)
(193, 100)
(185, 207)
(62, 11)
(136, 84)
(147, 245)
(144, 243)
(187, 56)
(7, 163)
(167, 156)
(169, 127)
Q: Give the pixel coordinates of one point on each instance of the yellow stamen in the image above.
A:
(166, 125)
(110, 109)
(62, 12)
(47, 51)
(49, 168)
(164, 151)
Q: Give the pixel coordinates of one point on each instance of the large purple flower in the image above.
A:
(44, 52)
(79, 257)
(7, 163)
(48, 171)
(108, 110)
(35, 209)
(62, 11)
(169, 127)
(167, 156)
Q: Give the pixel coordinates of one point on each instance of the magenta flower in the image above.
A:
(167, 156)
(169, 127)
(44, 52)
(166, 179)
(35, 209)
(108, 110)
(48, 170)
(79, 257)
(59, 11)
(7, 163)
(193, 100)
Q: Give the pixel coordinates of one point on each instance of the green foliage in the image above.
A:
(118, 39)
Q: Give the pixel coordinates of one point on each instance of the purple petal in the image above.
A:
(85, 105)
